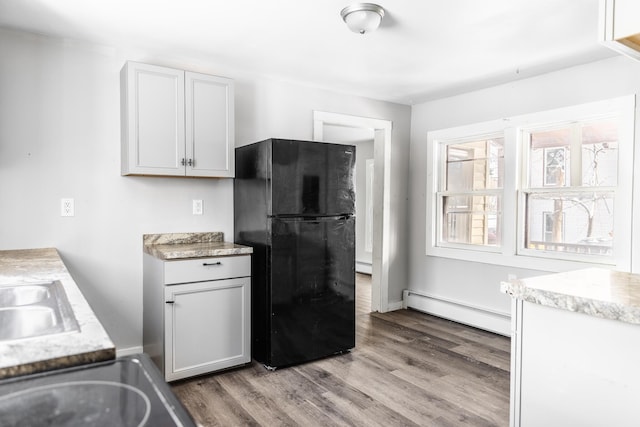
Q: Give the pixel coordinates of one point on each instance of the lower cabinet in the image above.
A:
(192, 328)
(572, 369)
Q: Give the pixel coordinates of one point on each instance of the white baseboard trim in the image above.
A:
(395, 305)
(364, 267)
(128, 351)
(478, 317)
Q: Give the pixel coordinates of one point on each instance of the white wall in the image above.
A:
(60, 137)
(477, 284)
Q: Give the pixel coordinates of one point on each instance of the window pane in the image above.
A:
(575, 222)
(549, 158)
(474, 220)
(475, 165)
(550, 153)
(600, 153)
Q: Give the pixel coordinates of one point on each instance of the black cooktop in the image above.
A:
(128, 391)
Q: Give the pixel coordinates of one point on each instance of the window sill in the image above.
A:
(530, 262)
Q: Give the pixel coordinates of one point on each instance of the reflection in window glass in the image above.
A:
(550, 158)
(475, 165)
(600, 154)
(472, 220)
(594, 144)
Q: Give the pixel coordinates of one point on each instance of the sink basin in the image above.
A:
(11, 296)
(127, 391)
(76, 403)
(33, 310)
(28, 321)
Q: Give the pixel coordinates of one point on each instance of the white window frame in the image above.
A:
(512, 252)
(441, 193)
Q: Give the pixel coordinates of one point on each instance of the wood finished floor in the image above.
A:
(408, 369)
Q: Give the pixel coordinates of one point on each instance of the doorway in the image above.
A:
(324, 125)
(363, 140)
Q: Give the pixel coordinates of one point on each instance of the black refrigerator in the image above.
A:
(294, 203)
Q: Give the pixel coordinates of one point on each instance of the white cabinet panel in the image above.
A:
(573, 369)
(153, 120)
(620, 26)
(627, 22)
(205, 327)
(209, 131)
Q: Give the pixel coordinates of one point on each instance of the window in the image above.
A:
(471, 192)
(572, 180)
(535, 191)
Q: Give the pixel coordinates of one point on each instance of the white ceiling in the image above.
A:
(424, 49)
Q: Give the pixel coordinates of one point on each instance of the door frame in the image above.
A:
(381, 199)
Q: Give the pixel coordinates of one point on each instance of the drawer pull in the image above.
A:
(169, 302)
(211, 263)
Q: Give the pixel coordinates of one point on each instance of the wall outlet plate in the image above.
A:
(198, 207)
(67, 207)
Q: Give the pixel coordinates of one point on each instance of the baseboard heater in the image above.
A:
(458, 311)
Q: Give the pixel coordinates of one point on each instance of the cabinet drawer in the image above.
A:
(201, 269)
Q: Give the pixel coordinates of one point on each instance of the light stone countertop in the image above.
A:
(174, 246)
(36, 354)
(594, 291)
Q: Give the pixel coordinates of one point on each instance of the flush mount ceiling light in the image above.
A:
(362, 17)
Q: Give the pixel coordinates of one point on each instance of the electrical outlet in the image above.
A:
(198, 207)
(67, 207)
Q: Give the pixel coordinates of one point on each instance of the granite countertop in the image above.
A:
(174, 246)
(594, 291)
(30, 355)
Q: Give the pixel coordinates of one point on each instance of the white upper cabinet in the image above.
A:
(620, 26)
(176, 123)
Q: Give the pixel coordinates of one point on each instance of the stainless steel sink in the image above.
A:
(127, 391)
(33, 310)
(11, 296)
(27, 321)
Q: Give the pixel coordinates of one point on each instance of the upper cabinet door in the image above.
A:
(153, 134)
(209, 113)
(620, 26)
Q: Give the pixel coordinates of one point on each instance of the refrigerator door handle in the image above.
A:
(312, 218)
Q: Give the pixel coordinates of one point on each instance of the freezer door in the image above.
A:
(312, 178)
(312, 289)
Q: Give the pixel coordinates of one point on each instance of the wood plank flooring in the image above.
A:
(408, 369)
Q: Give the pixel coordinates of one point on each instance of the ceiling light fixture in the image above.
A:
(362, 17)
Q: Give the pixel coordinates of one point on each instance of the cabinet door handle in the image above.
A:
(191, 162)
(211, 263)
(169, 302)
(183, 162)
